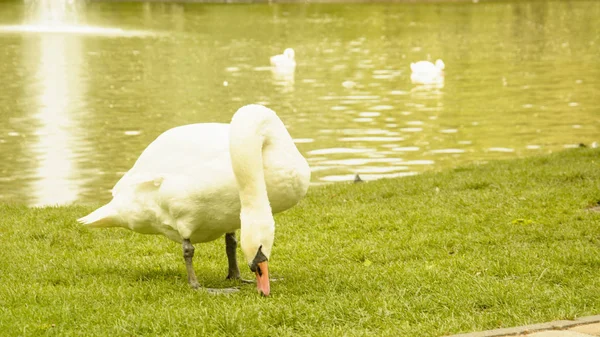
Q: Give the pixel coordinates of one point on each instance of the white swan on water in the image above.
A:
(425, 72)
(285, 61)
(428, 67)
(196, 182)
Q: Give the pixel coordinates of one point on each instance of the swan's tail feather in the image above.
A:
(104, 216)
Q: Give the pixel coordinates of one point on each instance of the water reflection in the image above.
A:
(284, 79)
(60, 90)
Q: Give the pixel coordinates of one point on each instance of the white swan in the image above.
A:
(428, 67)
(285, 61)
(196, 182)
(425, 72)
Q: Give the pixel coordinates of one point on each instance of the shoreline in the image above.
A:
(300, 1)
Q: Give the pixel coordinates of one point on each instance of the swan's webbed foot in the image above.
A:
(239, 278)
(188, 256)
(222, 291)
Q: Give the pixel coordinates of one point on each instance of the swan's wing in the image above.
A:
(190, 150)
(275, 59)
(138, 183)
(423, 67)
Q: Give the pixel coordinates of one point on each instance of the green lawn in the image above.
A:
(479, 247)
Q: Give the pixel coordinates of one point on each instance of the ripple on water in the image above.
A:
(348, 84)
(371, 139)
(362, 97)
(381, 169)
(369, 132)
(406, 149)
(411, 129)
(317, 168)
(338, 108)
(383, 76)
(303, 140)
(335, 150)
(501, 149)
(328, 98)
(447, 151)
(418, 162)
(381, 107)
(369, 114)
(360, 161)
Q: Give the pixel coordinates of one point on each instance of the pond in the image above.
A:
(80, 102)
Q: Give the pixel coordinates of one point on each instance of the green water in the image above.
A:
(76, 109)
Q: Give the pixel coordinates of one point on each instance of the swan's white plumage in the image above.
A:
(428, 67)
(183, 184)
(285, 61)
(425, 72)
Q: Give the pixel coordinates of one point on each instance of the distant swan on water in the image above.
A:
(425, 72)
(428, 67)
(285, 61)
(198, 182)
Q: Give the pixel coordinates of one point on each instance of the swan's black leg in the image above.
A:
(230, 248)
(188, 255)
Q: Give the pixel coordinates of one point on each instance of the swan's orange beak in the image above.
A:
(262, 278)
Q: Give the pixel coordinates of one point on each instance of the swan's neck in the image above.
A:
(254, 129)
(248, 135)
(247, 161)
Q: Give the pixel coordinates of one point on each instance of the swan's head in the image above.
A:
(257, 235)
(440, 64)
(289, 53)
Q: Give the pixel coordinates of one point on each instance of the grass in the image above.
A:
(479, 247)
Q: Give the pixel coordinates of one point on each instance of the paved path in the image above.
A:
(582, 327)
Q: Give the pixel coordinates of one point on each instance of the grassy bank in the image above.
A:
(480, 247)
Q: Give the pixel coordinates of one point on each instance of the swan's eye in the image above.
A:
(255, 268)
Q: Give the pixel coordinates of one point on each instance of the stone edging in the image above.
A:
(554, 325)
